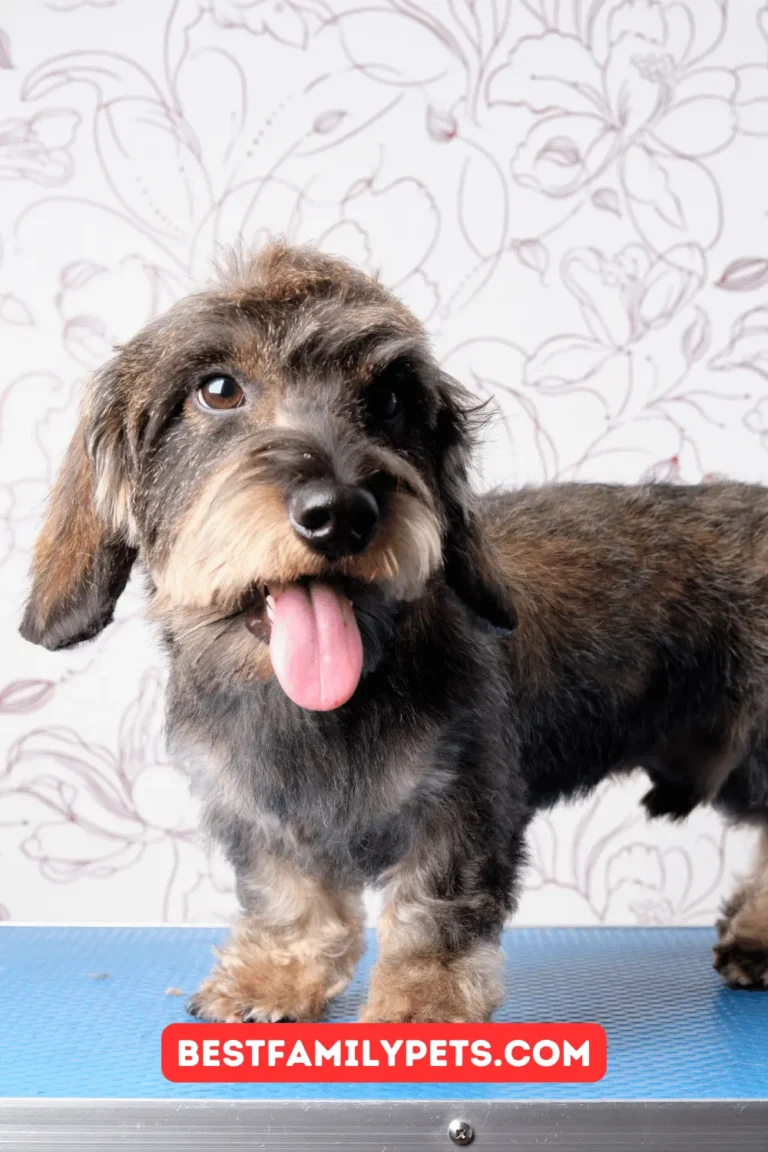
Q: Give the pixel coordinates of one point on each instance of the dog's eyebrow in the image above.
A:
(403, 352)
(331, 333)
(207, 355)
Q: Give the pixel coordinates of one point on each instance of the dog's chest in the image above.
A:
(340, 780)
(352, 793)
(349, 785)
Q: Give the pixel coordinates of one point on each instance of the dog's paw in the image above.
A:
(252, 990)
(222, 1000)
(741, 955)
(741, 964)
(435, 990)
(220, 1010)
(742, 967)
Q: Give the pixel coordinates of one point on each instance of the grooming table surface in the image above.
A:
(82, 1009)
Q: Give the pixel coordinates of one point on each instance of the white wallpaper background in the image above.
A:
(573, 195)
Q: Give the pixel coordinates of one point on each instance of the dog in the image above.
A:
(377, 676)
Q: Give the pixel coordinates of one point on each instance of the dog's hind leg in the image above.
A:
(292, 951)
(741, 953)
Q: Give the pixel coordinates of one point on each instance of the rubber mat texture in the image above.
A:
(81, 1012)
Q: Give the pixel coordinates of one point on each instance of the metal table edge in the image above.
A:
(394, 1126)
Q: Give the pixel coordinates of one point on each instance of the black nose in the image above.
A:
(332, 519)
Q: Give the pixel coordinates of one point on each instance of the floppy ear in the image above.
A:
(471, 569)
(82, 557)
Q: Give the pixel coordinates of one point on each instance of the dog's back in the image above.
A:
(643, 637)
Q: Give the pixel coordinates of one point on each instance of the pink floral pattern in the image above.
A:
(38, 149)
(569, 195)
(282, 19)
(94, 813)
(627, 90)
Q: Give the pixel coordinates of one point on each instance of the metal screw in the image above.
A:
(461, 1132)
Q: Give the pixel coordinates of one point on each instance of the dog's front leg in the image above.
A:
(439, 943)
(294, 948)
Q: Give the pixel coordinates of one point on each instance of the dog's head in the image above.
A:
(275, 451)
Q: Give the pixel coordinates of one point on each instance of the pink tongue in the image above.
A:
(316, 650)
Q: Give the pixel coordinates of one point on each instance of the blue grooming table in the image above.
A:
(82, 1010)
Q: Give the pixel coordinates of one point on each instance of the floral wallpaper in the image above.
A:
(571, 193)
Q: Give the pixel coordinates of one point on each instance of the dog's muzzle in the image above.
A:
(314, 639)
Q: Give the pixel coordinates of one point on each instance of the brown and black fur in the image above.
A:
(641, 638)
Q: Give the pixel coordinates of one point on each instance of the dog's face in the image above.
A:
(279, 452)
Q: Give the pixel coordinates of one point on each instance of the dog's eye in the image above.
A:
(220, 392)
(383, 405)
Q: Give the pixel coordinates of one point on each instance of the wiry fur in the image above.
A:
(642, 638)
(295, 948)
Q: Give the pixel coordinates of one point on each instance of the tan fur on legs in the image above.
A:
(287, 961)
(741, 954)
(417, 980)
(438, 988)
